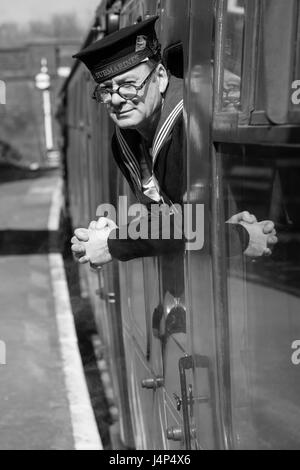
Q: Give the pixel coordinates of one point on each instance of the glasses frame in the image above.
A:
(117, 90)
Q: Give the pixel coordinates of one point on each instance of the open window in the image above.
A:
(257, 61)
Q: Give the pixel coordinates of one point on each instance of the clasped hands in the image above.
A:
(262, 235)
(91, 245)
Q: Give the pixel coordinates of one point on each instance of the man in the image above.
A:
(146, 105)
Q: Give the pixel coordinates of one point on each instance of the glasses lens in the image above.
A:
(102, 96)
(105, 96)
(127, 91)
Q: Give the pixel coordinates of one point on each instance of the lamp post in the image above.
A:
(42, 82)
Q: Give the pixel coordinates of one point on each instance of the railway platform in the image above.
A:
(44, 400)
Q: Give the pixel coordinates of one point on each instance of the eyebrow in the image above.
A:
(120, 79)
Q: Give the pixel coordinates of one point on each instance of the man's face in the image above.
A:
(136, 112)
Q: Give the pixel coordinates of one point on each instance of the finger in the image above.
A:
(84, 260)
(78, 255)
(272, 240)
(78, 249)
(267, 252)
(101, 223)
(268, 226)
(93, 225)
(247, 217)
(111, 224)
(82, 234)
(75, 240)
(96, 266)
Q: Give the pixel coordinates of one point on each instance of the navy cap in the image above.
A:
(121, 51)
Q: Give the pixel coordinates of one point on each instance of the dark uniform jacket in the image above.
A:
(168, 169)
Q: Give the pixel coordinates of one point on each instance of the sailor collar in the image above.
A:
(173, 107)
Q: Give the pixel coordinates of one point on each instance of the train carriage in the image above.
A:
(204, 349)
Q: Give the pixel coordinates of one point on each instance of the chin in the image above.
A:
(125, 122)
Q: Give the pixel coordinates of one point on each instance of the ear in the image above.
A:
(163, 78)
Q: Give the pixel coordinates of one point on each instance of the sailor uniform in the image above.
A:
(160, 182)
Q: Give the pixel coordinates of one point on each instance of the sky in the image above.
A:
(22, 11)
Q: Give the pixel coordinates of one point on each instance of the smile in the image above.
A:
(123, 113)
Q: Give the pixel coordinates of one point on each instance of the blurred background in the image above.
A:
(37, 41)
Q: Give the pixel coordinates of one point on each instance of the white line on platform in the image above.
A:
(56, 207)
(85, 431)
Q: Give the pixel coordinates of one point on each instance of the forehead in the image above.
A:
(134, 74)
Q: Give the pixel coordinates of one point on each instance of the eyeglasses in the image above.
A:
(127, 91)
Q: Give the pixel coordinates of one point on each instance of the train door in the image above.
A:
(169, 328)
(239, 384)
(155, 299)
(256, 168)
(169, 324)
(198, 370)
(139, 297)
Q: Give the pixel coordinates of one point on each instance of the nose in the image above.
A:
(116, 99)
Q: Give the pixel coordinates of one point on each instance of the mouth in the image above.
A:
(123, 113)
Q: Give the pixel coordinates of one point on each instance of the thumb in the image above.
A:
(93, 225)
(268, 226)
(242, 217)
(82, 234)
(247, 217)
(101, 223)
(111, 224)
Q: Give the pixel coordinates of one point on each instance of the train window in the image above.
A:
(264, 297)
(278, 61)
(257, 61)
(229, 42)
(297, 67)
(233, 55)
(137, 10)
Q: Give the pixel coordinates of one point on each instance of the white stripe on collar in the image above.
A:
(159, 140)
(131, 160)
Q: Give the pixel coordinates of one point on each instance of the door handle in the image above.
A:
(188, 400)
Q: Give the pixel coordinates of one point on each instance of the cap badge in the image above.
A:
(141, 43)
